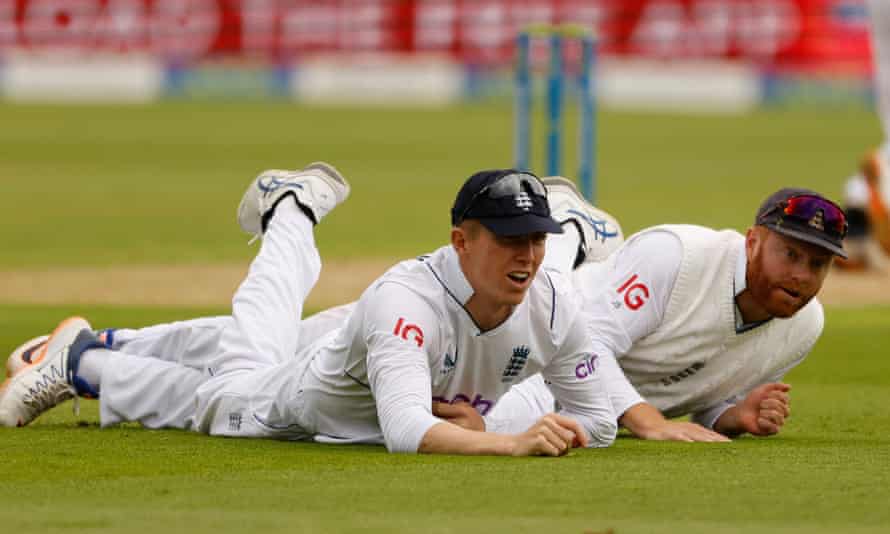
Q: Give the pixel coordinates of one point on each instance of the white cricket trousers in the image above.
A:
(225, 375)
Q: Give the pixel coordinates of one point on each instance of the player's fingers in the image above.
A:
(776, 406)
(699, 433)
(779, 386)
(578, 433)
(551, 443)
(773, 417)
(706, 437)
(566, 434)
(780, 396)
(711, 436)
(675, 433)
(561, 439)
(766, 427)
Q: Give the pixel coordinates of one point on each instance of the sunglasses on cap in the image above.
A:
(814, 211)
(509, 185)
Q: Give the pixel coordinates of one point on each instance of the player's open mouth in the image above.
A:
(519, 277)
(795, 294)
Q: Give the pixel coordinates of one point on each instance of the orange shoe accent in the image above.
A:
(62, 325)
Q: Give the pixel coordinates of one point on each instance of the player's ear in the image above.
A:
(753, 238)
(459, 239)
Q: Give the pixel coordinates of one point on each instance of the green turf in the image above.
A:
(827, 472)
(160, 183)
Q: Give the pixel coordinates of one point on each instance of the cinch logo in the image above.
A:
(586, 368)
(685, 373)
(481, 405)
(517, 362)
(403, 330)
(635, 295)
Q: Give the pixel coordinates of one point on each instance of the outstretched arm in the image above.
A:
(645, 421)
(552, 435)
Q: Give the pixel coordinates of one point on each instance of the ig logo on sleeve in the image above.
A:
(403, 331)
(635, 293)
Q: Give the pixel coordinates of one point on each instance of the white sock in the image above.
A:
(92, 362)
(288, 210)
(562, 249)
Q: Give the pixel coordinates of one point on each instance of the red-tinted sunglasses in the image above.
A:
(815, 211)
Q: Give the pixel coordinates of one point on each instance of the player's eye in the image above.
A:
(817, 264)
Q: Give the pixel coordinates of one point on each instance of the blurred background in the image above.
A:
(129, 128)
(719, 55)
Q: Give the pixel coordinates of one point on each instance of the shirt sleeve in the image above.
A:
(621, 393)
(520, 407)
(399, 329)
(579, 388)
(626, 299)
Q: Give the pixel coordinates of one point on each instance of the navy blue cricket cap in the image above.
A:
(805, 215)
(506, 201)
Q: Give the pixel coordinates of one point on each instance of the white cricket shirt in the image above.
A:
(664, 304)
(410, 340)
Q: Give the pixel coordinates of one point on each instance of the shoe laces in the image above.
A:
(49, 391)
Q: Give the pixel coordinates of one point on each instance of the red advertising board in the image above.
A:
(480, 31)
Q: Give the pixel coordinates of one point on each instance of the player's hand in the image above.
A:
(683, 431)
(646, 422)
(552, 435)
(765, 410)
(460, 414)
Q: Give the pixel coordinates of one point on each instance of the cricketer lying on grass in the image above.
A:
(690, 309)
(466, 321)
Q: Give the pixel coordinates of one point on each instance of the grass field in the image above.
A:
(89, 187)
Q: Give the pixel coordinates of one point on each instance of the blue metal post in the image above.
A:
(587, 125)
(554, 105)
(522, 140)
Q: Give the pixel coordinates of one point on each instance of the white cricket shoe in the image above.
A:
(50, 378)
(25, 354)
(317, 188)
(600, 232)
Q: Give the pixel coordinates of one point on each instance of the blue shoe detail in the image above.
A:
(270, 184)
(84, 341)
(599, 226)
(29, 352)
